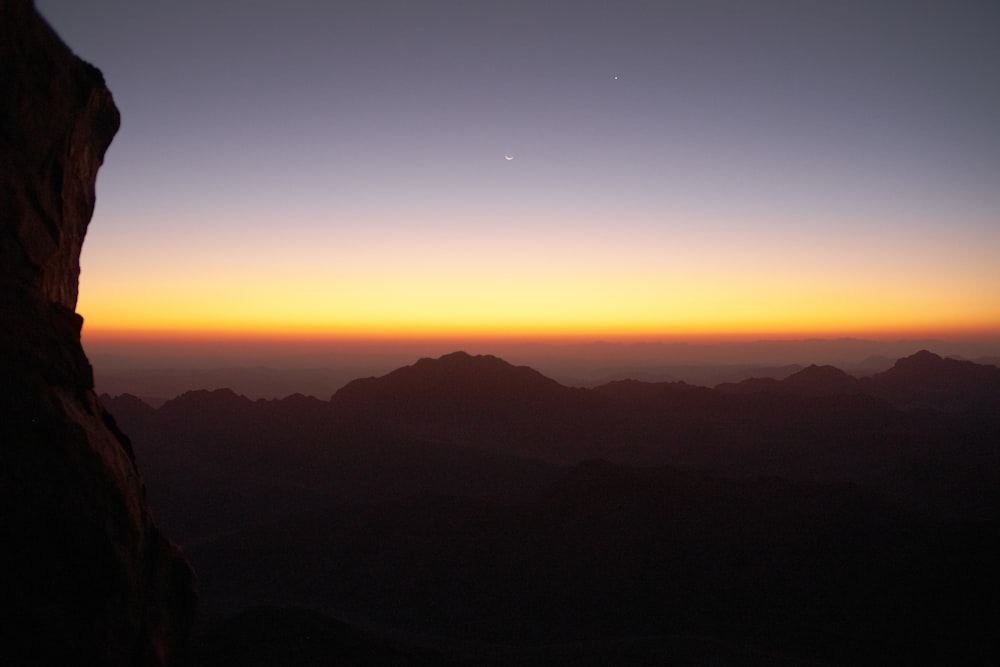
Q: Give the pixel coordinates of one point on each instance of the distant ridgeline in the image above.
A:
(818, 517)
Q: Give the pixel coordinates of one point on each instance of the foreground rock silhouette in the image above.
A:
(86, 578)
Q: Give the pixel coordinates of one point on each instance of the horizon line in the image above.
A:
(140, 335)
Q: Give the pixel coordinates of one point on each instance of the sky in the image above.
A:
(594, 170)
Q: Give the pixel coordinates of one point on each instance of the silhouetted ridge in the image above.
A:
(658, 398)
(821, 381)
(126, 402)
(928, 368)
(926, 379)
(478, 401)
(455, 389)
(812, 380)
(216, 400)
(460, 371)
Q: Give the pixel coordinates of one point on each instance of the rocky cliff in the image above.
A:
(86, 578)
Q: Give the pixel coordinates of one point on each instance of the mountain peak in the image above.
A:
(216, 399)
(460, 355)
(927, 365)
(458, 394)
(922, 358)
(815, 372)
(452, 358)
(460, 358)
(929, 380)
(821, 380)
(457, 374)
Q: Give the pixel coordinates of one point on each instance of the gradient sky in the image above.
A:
(680, 168)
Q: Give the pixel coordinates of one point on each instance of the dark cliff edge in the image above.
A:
(85, 575)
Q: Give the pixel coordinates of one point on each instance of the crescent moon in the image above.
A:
(508, 157)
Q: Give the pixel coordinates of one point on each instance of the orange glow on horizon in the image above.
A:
(745, 311)
(587, 283)
(691, 335)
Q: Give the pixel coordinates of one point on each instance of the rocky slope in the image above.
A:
(85, 575)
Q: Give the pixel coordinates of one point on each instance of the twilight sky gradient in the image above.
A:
(680, 168)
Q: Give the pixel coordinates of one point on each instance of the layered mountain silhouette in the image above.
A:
(927, 380)
(218, 461)
(475, 504)
(923, 379)
(810, 381)
(480, 426)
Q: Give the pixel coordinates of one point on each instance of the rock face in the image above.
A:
(85, 576)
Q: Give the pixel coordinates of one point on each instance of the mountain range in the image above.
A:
(471, 503)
